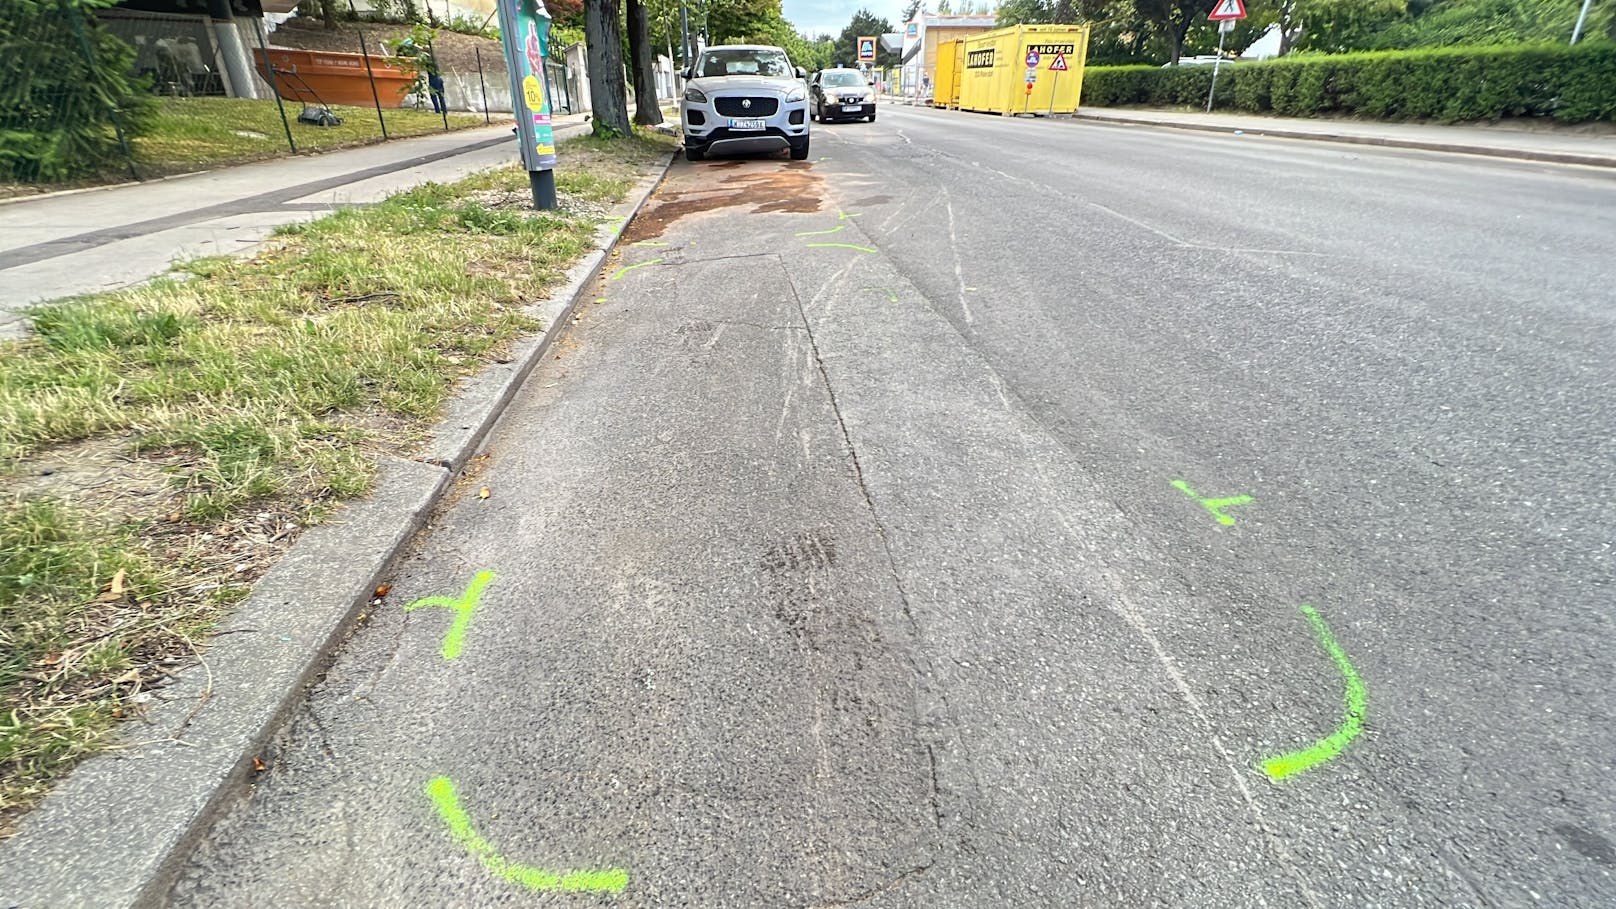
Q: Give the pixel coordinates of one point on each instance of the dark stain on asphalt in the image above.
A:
(766, 186)
(1589, 843)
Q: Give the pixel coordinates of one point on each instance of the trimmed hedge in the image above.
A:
(1571, 84)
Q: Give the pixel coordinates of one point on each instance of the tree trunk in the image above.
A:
(328, 13)
(603, 39)
(647, 107)
(1287, 26)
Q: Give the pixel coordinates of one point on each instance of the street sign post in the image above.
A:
(1224, 14)
(866, 50)
(1057, 65)
(1032, 59)
(524, 32)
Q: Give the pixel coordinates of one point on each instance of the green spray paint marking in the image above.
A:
(441, 791)
(1324, 749)
(628, 268)
(841, 246)
(464, 606)
(843, 216)
(653, 243)
(892, 296)
(815, 233)
(1215, 506)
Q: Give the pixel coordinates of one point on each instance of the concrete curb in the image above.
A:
(119, 829)
(1491, 151)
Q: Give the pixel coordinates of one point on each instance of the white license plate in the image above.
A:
(852, 108)
(746, 124)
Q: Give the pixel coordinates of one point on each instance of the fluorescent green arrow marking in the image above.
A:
(441, 791)
(463, 606)
(815, 233)
(1215, 506)
(841, 246)
(1285, 765)
(628, 268)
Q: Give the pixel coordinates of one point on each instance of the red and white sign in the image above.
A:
(1228, 9)
(1058, 64)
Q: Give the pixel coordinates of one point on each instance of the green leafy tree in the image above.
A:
(1337, 26)
(608, 93)
(66, 93)
(864, 24)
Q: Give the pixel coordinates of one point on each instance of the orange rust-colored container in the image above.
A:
(311, 76)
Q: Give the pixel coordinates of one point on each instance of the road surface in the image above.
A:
(853, 551)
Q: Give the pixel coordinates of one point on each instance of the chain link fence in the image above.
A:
(94, 93)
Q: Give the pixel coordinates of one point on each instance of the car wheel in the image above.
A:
(693, 153)
(799, 152)
(872, 118)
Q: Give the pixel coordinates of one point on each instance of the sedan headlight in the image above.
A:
(797, 94)
(695, 94)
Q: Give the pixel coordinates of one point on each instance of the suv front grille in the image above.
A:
(761, 107)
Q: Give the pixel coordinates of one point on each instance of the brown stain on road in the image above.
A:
(766, 186)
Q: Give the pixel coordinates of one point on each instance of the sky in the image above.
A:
(831, 16)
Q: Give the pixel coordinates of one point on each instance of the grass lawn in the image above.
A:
(162, 445)
(194, 133)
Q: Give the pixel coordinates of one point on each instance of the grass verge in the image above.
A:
(162, 445)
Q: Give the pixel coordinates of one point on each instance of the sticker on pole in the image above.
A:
(1228, 9)
(1032, 59)
(1058, 65)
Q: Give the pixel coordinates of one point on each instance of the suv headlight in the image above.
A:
(797, 94)
(695, 94)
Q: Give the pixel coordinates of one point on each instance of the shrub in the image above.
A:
(1571, 84)
(58, 110)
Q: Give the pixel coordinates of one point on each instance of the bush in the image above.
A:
(1570, 84)
(58, 111)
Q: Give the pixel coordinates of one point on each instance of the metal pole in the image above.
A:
(544, 188)
(1582, 18)
(684, 30)
(1054, 82)
(365, 51)
(274, 89)
(374, 95)
(1215, 64)
(481, 85)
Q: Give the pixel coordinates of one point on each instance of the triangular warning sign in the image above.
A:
(1058, 64)
(1228, 9)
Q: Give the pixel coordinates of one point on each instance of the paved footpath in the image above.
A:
(100, 239)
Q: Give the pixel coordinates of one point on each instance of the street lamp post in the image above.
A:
(1582, 18)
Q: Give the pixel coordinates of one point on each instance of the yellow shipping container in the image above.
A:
(950, 67)
(995, 74)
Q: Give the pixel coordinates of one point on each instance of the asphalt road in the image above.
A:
(828, 575)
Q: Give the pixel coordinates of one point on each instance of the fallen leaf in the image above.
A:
(259, 765)
(117, 581)
(383, 590)
(484, 493)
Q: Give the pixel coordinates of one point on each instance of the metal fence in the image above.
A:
(96, 95)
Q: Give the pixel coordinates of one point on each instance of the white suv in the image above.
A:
(744, 98)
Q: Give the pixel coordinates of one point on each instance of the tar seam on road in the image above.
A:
(914, 656)
(1285, 765)
(441, 790)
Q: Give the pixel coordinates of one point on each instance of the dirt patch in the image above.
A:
(782, 187)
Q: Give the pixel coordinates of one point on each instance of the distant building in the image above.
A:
(195, 47)
(921, 36)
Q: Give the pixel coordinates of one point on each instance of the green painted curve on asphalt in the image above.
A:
(441, 790)
(1357, 701)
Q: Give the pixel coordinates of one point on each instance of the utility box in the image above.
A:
(1000, 65)
(950, 67)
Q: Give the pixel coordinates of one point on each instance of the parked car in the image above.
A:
(842, 94)
(744, 98)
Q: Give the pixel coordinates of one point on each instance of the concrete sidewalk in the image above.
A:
(1565, 145)
(80, 242)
